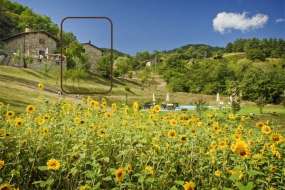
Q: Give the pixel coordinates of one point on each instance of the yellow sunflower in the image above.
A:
(259, 124)
(218, 173)
(108, 114)
(53, 164)
(136, 106)
(129, 168)
(94, 104)
(10, 114)
(266, 129)
(241, 148)
(84, 187)
(171, 133)
(189, 185)
(30, 109)
(149, 170)
(183, 139)
(173, 122)
(277, 138)
(2, 164)
(114, 107)
(41, 86)
(156, 109)
(120, 173)
(18, 122)
(6, 186)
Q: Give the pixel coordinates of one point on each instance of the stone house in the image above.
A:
(93, 54)
(34, 45)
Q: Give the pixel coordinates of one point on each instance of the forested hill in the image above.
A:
(14, 18)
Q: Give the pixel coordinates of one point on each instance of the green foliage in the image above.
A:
(122, 65)
(103, 66)
(258, 48)
(75, 56)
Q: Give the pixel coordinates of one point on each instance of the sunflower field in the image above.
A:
(92, 145)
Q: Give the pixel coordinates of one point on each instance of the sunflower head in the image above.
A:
(53, 164)
(156, 109)
(218, 173)
(259, 124)
(2, 164)
(6, 186)
(171, 133)
(266, 129)
(277, 138)
(10, 114)
(136, 106)
(183, 139)
(120, 173)
(173, 122)
(189, 185)
(30, 109)
(41, 86)
(149, 170)
(18, 122)
(241, 148)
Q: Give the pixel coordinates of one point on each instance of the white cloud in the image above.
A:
(280, 20)
(239, 21)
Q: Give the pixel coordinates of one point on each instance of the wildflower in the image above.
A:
(94, 104)
(46, 117)
(277, 138)
(232, 117)
(53, 164)
(30, 109)
(10, 114)
(77, 120)
(218, 173)
(1, 104)
(120, 173)
(241, 148)
(173, 122)
(236, 173)
(259, 124)
(149, 170)
(171, 133)
(136, 106)
(216, 127)
(6, 186)
(101, 133)
(223, 144)
(266, 129)
(41, 86)
(2, 164)
(156, 109)
(114, 107)
(84, 187)
(189, 185)
(129, 168)
(108, 114)
(18, 122)
(183, 139)
(40, 120)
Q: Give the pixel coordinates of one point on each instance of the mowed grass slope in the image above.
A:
(19, 86)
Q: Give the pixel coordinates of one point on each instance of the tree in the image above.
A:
(103, 66)
(122, 65)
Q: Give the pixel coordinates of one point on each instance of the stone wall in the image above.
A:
(93, 54)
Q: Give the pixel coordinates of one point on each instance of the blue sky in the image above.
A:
(166, 24)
